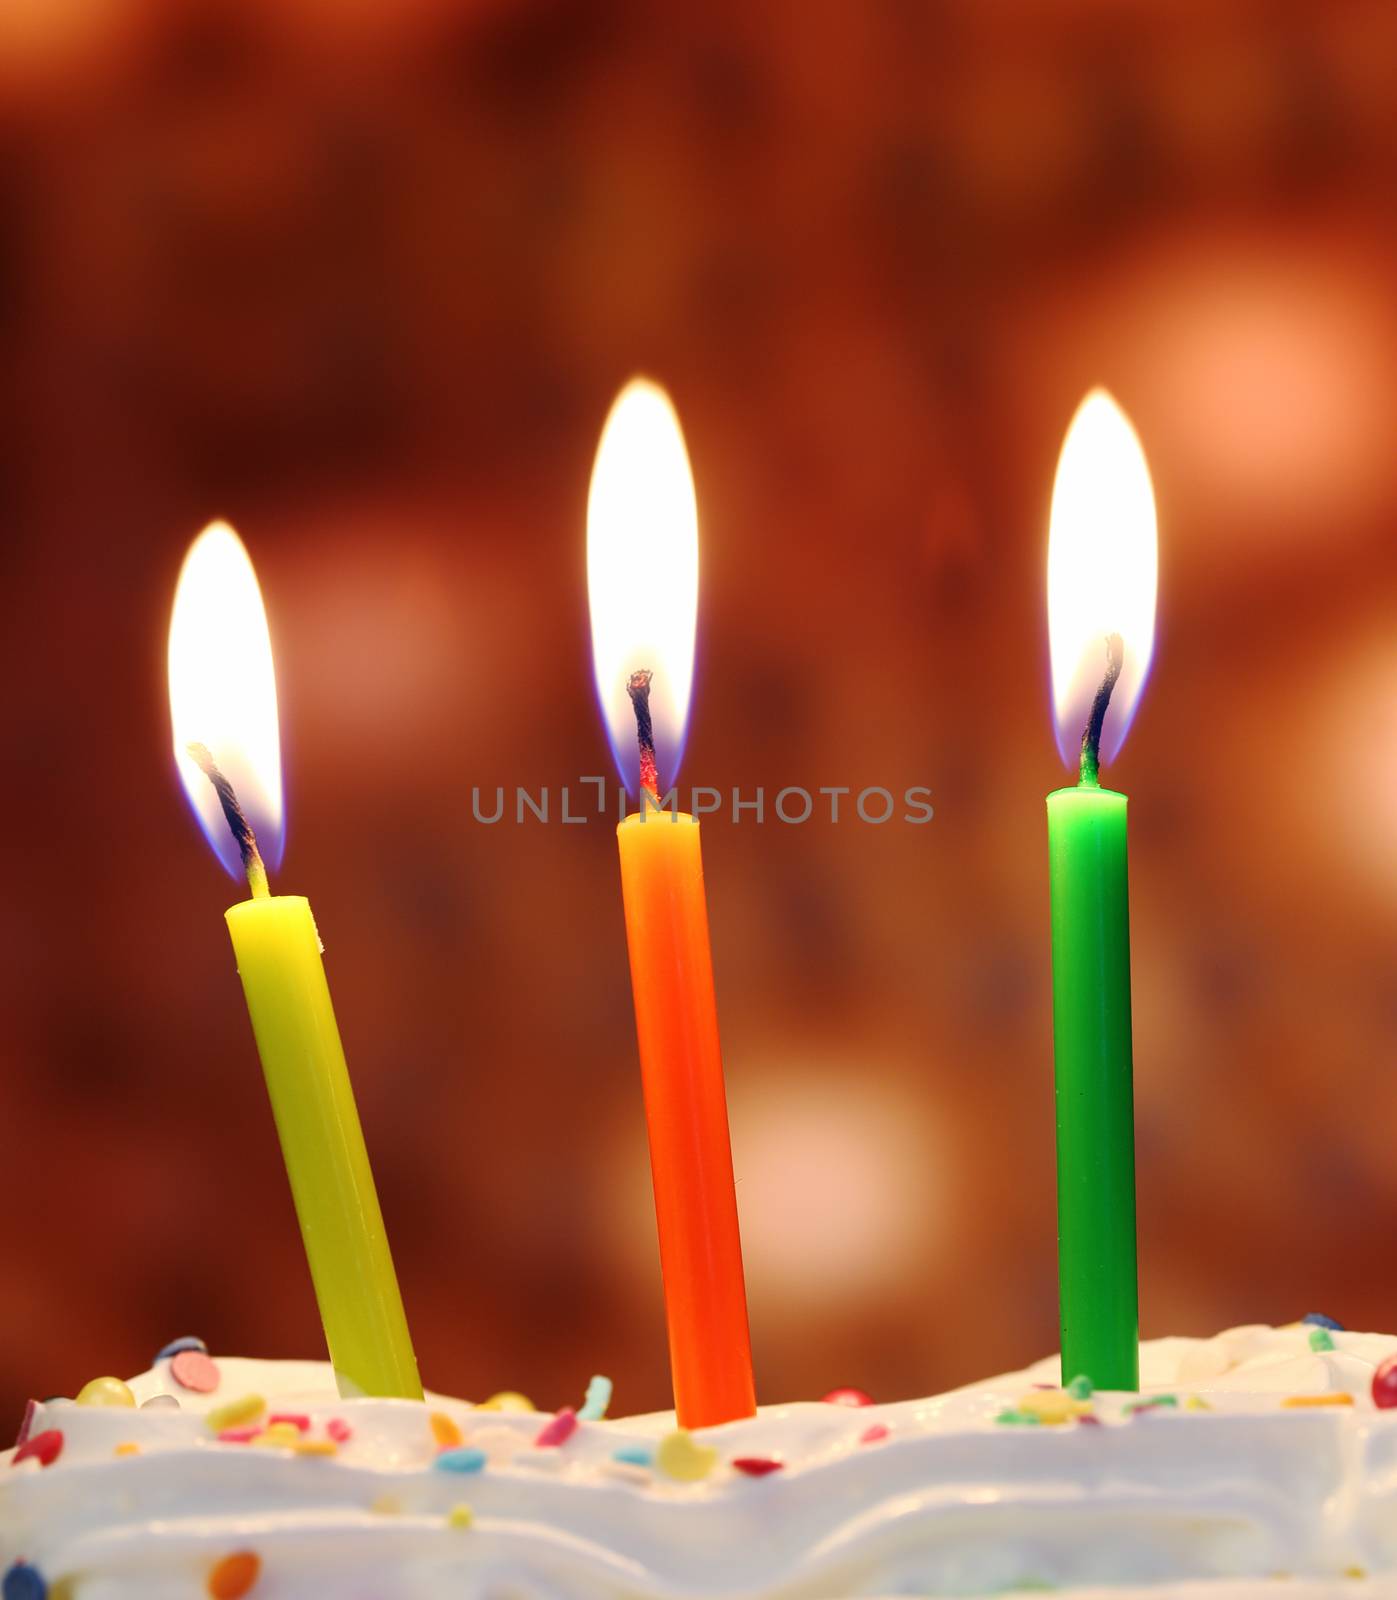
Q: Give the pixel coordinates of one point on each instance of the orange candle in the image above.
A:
(642, 559)
(676, 1021)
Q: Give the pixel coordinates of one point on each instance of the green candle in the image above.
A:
(1098, 1296)
(1101, 620)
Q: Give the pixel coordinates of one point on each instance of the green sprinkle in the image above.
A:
(1017, 1419)
(1081, 1387)
(1320, 1339)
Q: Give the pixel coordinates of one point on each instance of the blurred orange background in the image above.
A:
(364, 279)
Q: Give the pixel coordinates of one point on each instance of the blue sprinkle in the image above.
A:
(189, 1342)
(463, 1459)
(593, 1408)
(23, 1582)
(634, 1455)
(1317, 1319)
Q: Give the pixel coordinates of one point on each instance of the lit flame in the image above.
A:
(1103, 570)
(642, 574)
(223, 692)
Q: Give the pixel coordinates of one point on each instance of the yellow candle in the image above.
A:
(223, 710)
(288, 999)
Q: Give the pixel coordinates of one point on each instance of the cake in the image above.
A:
(1260, 1455)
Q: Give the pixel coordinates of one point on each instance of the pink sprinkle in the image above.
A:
(1088, 1422)
(339, 1430)
(874, 1434)
(846, 1397)
(561, 1429)
(1045, 1386)
(297, 1419)
(239, 1435)
(757, 1466)
(192, 1369)
(31, 1408)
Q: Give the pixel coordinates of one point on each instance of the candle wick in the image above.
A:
(638, 687)
(238, 825)
(1091, 739)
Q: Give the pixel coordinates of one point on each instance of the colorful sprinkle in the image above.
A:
(161, 1402)
(757, 1466)
(315, 1447)
(1088, 1421)
(179, 1346)
(679, 1456)
(277, 1436)
(26, 1426)
(1012, 1418)
(507, 1400)
(1385, 1384)
(244, 1435)
(45, 1448)
(463, 1459)
(234, 1576)
(23, 1582)
(634, 1455)
(1320, 1340)
(445, 1431)
(1196, 1402)
(593, 1408)
(386, 1505)
(1081, 1387)
(106, 1392)
(1053, 1407)
(1317, 1319)
(559, 1430)
(297, 1419)
(247, 1408)
(339, 1430)
(192, 1369)
(875, 1435)
(1340, 1397)
(846, 1397)
(460, 1516)
(128, 1448)
(1155, 1402)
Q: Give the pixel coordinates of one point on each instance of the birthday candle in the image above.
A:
(1101, 602)
(224, 716)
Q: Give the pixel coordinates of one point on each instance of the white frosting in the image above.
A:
(952, 1501)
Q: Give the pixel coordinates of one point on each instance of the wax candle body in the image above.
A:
(686, 1112)
(283, 977)
(1099, 1303)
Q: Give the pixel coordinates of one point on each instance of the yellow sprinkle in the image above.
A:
(279, 1436)
(1196, 1402)
(445, 1431)
(1053, 1407)
(387, 1505)
(1341, 1397)
(460, 1517)
(127, 1449)
(105, 1392)
(315, 1447)
(236, 1412)
(1355, 1572)
(507, 1400)
(678, 1456)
